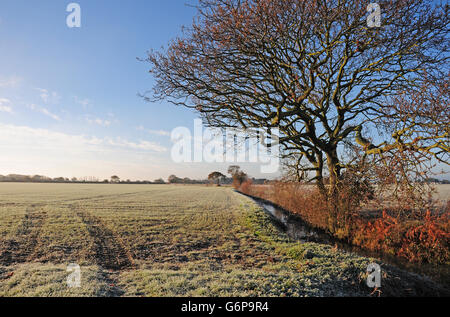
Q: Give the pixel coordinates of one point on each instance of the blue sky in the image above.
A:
(69, 103)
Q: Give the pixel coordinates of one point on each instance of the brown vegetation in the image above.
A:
(416, 237)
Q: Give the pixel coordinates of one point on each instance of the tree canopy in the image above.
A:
(319, 73)
(115, 179)
(216, 176)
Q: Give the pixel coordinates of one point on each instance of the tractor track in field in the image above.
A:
(23, 246)
(98, 198)
(108, 249)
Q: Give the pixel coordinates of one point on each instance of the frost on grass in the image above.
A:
(47, 280)
(139, 240)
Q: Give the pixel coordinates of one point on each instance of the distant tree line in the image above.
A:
(437, 181)
(237, 177)
(87, 179)
(173, 179)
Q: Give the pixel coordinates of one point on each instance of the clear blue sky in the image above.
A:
(69, 102)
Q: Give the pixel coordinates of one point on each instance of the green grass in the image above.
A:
(164, 240)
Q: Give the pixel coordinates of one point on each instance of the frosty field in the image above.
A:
(167, 240)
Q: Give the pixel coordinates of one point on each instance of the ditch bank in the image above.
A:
(298, 230)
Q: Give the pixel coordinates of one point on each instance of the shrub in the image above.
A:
(300, 199)
(427, 240)
(424, 239)
(245, 186)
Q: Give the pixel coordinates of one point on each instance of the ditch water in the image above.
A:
(298, 230)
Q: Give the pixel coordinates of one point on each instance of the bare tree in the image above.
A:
(417, 138)
(314, 69)
(115, 179)
(216, 176)
(173, 179)
(238, 176)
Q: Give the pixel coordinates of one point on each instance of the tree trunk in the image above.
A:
(333, 195)
(318, 164)
(334, 170)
